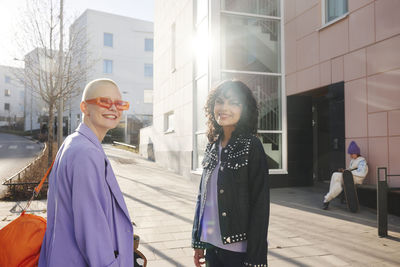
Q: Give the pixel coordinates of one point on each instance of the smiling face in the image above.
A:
(227, 110)
(97, 118)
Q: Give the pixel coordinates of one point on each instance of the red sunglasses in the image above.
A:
(106, 102)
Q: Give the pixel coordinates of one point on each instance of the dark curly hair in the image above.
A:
(249, 117)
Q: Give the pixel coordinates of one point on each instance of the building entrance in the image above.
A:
(328, 130)
(316, 134)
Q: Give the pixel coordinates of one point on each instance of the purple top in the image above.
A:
(210, 231)
(88, 223)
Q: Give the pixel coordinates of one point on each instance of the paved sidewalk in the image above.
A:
(300, 234)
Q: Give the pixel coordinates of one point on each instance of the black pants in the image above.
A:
(218, 257)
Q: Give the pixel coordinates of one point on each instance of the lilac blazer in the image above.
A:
(88, 223)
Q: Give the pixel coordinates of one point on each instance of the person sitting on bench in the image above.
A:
(358, 167)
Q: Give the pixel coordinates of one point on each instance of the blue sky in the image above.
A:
(12, 10)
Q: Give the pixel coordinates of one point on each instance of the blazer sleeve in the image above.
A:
(257, 246)
(89, 206)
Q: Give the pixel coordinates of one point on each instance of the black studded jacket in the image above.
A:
(243, 196)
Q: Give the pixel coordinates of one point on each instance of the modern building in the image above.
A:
(36, 111)
(12, 93)
(119, 48)
(325, 72)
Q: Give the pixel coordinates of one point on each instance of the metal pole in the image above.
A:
(382, 210)
(60, 128)
(60, 122)
(31, 108)
(126, 128)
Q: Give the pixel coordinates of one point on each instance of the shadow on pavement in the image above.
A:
(310, 199)
(160, 189)
(161, 254)
(158, 208)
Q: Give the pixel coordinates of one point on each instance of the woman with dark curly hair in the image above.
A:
(232, 211)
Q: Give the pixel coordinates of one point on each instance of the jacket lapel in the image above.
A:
(115, 190)
(110, 177)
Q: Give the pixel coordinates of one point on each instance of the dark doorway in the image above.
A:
(328, 130)
(316, 136)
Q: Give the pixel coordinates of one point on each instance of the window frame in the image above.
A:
(146, 44)
(216, 71)
(112, 39)
(169, 122)
(7, 92)
(324, 12)
(105, 66)
(149, 93)
(145, 67)
(173, 48)
(9, 107)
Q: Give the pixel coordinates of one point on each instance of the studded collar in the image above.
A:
(236, 152)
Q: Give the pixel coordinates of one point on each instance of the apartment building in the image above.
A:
(12, 93)
(119, 48)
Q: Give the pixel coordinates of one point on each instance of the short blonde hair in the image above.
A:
(91, 87)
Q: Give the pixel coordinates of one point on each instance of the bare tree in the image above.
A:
(52, 69)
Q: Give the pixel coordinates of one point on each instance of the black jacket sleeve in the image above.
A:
(257, 247)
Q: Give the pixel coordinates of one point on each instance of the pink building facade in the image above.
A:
(359, 51)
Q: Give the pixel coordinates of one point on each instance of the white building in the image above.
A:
(197, 44)
(11, 97)
(119, 48)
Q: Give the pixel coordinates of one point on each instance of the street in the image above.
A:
(15, 153)
(161, 203)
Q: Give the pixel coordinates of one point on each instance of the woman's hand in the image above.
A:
(199, 257)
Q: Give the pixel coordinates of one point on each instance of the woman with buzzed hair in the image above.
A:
(88, 223)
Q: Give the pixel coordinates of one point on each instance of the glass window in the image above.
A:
(201, 46)
(201, 10)
(7, 106)
(250, 44)
(335, 9)
(169, 122)
(259, 7)
(7, 92)
(7, 79)
(148, 96)
(148, 70)
(201, 144)
(272, 143)
(108, 39)
(173, 39)
(148, 44)
(201, 98)
(107, 66)
(267, 91)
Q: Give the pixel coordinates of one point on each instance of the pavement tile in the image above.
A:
(283, 263)
(182, 235)
(300, 233)
(175, 253)
(149, 238)
(326, 260)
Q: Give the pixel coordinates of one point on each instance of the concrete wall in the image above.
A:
(362, 50)
(173, 89)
